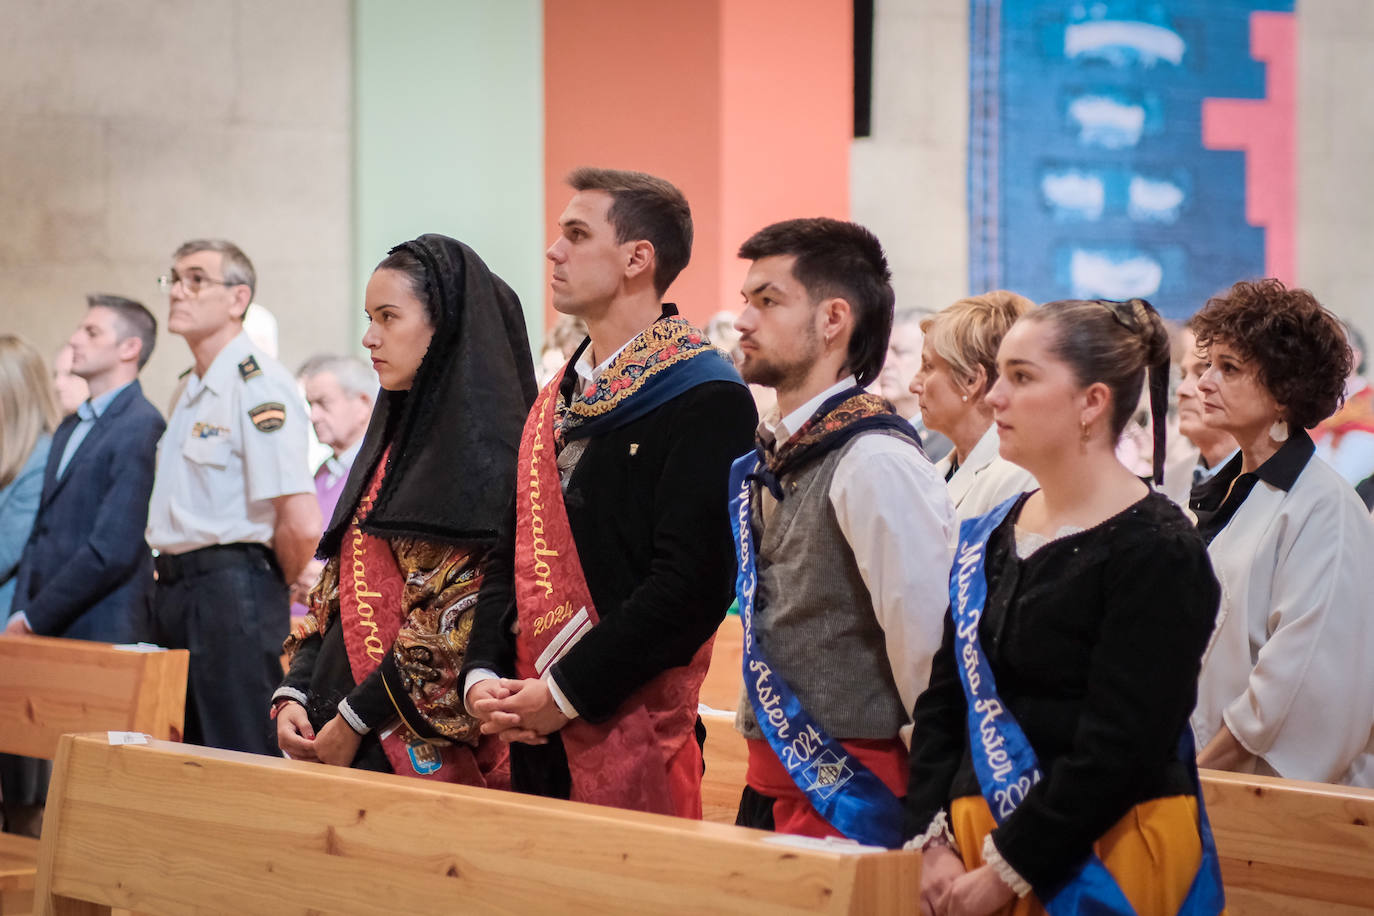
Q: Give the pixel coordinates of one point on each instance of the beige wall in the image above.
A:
(910, 178)
(127, 127)
(1335, 162)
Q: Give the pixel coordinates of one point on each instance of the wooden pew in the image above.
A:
(1286, 847)
(1290, 847)
(164, 828)
(49, 687)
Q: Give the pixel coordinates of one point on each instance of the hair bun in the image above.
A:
(1154, 336)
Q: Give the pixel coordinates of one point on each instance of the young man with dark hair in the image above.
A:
(842, 529)
(233, 512)
(595, 619)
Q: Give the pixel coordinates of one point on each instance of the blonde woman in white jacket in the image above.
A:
(958, 368)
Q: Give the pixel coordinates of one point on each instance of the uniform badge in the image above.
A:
(249, 368)
(267, 417)
(424, 757)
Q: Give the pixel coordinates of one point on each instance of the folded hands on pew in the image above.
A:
(516, 710)
(336, 743)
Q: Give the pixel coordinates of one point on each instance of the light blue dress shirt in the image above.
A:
(89, 411)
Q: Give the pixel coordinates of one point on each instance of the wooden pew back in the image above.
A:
(50, 687)
(164, 828)
(1291, 847)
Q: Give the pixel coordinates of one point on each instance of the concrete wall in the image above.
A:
(1335, 134)
(126, 128)
(910, 178)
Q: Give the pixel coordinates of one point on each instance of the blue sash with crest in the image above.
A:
(844, 791)
(1006, 764)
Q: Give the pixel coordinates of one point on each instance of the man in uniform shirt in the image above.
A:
(845, 526)
(233, 512)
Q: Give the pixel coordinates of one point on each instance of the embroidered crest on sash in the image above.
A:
(249, 368)
(269, 416)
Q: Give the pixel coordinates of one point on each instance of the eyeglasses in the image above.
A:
(192, 284)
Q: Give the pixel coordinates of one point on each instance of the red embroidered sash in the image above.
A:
(371, 589)
(645, 758)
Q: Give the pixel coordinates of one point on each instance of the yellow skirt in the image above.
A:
(1153, 852)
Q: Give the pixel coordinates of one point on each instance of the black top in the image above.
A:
(1095, 641)
(320, 669)
(647, 503)
(1215, 500)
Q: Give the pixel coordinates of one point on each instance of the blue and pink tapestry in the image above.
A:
(1123, 148)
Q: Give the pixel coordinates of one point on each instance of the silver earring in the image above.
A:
(964, 398)
(1279, 431)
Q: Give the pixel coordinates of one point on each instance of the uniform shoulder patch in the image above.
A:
(269, 416)
(249, 368)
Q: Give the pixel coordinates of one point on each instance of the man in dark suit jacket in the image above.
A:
(86, 572)
(649, 419)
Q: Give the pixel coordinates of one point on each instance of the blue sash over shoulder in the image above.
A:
(1006, 764)
(841, 789)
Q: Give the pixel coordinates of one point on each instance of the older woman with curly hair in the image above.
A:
(1286, 686)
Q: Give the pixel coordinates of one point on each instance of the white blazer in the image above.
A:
(985, 480)
(1290, 666)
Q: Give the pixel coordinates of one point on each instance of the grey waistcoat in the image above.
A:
(813, 617)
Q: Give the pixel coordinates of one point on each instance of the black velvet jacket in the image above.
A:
(647, 503)
(1095, 641)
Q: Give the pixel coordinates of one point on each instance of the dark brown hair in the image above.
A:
(404, 261)
(1299, 348)
(841, 260)
(133, 320)
(645, 207)
(1117, 344)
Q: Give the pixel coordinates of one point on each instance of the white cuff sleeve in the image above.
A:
(21, 616)
(1019, 885)
(565, 706)
(476, 676)
(936, 830)
(351, 718)
(289, 693)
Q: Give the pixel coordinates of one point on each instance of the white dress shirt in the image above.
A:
(894, 511)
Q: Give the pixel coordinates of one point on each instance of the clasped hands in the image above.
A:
(337, 743)
(947, 889)
(516, 710)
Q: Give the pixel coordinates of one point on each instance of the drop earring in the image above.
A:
(1279, 431)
